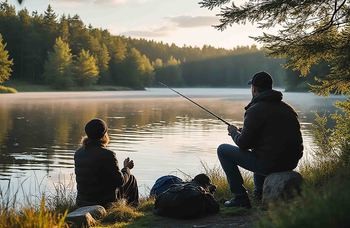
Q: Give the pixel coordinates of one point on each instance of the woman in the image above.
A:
(99, 179)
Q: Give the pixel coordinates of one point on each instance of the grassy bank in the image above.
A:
(22, 86)
(324, 202)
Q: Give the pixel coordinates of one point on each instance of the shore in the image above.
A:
(324, 202)
(21, 86)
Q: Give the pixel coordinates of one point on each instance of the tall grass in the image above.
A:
(218, 178)
(31, 216)
(325, 206)
(63, 196)
(20, 208)
(5, 89)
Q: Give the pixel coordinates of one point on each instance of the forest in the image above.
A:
(63, 52)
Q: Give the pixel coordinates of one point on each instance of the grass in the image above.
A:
(324, 202)
(5, 89)
(32, 217)
(325, 205)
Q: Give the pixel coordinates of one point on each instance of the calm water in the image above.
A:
(162, 132)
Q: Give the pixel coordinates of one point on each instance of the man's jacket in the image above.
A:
(97, 175)
(271, 130)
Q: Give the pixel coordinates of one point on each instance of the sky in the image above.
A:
(182, 22)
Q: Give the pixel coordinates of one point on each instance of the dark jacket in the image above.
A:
(97, 175)
(271, 130)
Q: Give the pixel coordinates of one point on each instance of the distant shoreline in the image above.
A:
(22, 86)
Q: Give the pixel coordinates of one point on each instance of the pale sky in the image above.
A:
(180, 22)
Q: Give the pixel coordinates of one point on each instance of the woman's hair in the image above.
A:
(102, 141)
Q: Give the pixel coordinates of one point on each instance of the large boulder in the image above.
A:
(281, 186)
(85, 216)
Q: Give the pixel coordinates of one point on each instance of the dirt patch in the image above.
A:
(211, 221)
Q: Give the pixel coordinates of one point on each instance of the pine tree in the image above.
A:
(5, 62)
(103, 63)
(58, 67)
(50, 16)
(137, 70)
(310, 32)
(85, 69)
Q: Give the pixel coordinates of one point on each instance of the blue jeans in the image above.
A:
(231, 157)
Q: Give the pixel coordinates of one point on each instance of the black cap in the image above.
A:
(261, 80)
(96, 128)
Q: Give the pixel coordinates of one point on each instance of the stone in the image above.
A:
(85, 216)
(281, 186)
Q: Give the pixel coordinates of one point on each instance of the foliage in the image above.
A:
(5, 62)
(341, 133)
(333, 144)
(58, 67)
(137, 70)
(85, 69)
(177, 66)
(170, 72)
(319, 206)
(310, 32)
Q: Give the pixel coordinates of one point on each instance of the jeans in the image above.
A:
(231, 157)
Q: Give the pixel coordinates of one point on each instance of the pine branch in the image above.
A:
(211, 4)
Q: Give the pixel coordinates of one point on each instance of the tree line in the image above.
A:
(63, 52)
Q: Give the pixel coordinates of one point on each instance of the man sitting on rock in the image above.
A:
(99, 179)
(270, 141)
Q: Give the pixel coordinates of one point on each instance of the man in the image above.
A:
(99, 179)
(270, 141)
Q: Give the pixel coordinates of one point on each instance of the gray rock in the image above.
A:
(86, 216)
(282, 185)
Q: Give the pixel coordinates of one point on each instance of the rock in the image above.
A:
(85, 216)
(282, 185)
(82, 220)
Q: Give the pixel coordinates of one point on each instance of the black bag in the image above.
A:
(164, 183)
(186, 201)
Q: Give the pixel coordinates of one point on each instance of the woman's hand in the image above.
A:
(128, 163)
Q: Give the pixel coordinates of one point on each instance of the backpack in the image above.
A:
(163, 183)
(185, 201)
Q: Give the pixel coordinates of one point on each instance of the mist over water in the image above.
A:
(162, 132)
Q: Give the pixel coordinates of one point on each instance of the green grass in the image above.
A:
(326, 204)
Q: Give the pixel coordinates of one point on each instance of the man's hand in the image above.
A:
(128, 163)
(231, 129)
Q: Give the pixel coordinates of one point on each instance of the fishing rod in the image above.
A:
(211, 113)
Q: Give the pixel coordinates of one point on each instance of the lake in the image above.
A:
(162, 132)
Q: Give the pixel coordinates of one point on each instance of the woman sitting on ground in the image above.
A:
(99, 179)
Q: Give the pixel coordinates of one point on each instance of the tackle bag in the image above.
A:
(163, 183)
(185, 201)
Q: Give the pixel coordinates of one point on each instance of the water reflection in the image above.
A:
(162, 132)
